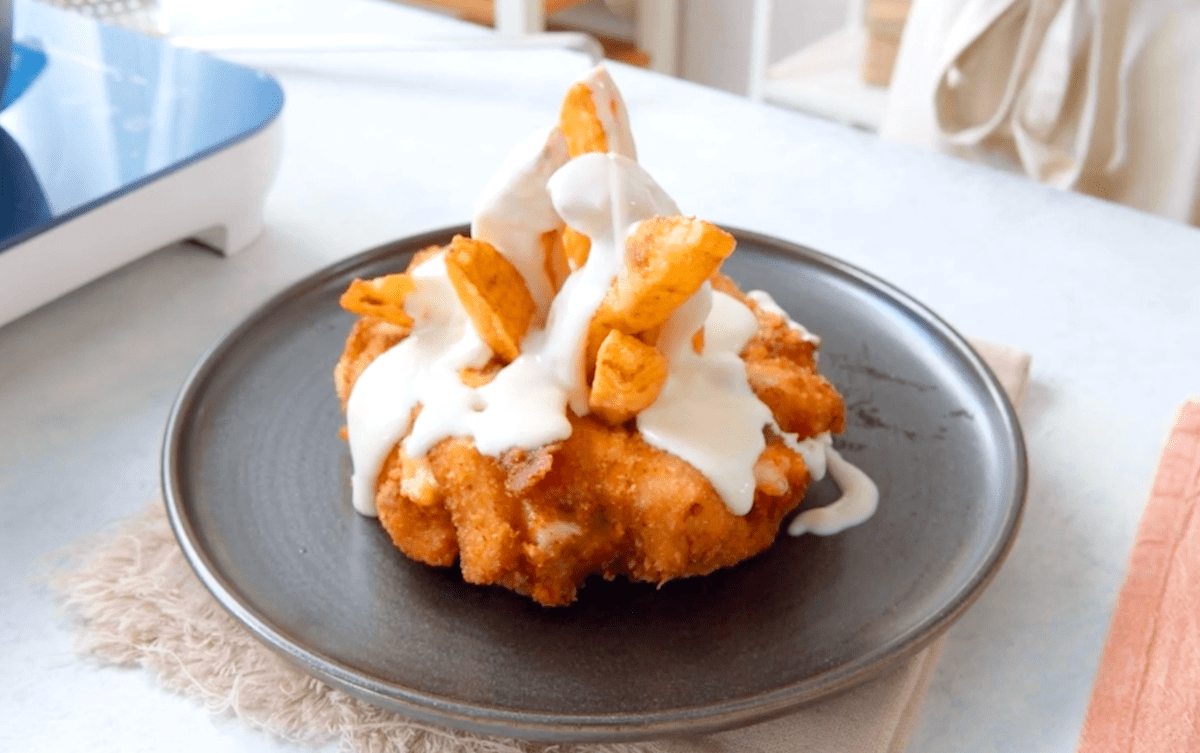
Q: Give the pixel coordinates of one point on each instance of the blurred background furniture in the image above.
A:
(884, 24)
(638, 32)
(1098, 97)
(842, 76)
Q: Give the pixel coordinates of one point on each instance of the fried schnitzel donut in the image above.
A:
(602, 501)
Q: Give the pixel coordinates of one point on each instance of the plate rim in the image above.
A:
(559, 727)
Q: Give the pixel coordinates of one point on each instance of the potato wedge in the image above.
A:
(477, 377)
(584, 133)
(650, 336)
(576, 246)
(594, 118)
(558, 268)
(580, 123)
(667, 259)
(493, 293)
(629, 376)
(423, 256)
(583, 127)
(382, 297)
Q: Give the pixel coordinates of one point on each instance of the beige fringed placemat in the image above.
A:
(138, 603)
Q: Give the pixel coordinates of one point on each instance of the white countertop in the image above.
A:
(379, 146)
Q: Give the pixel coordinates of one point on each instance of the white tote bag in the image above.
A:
(1101, 96)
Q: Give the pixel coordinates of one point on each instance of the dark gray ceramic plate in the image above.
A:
(256, 482)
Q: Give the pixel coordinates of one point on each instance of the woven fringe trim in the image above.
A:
(138, 603)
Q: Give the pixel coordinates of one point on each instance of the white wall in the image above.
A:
(715, 36)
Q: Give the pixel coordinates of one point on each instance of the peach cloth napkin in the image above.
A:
(1147, 692)
(139, 604)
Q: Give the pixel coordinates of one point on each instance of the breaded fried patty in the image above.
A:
(602, 501)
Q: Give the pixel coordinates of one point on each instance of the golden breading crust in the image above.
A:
(603, 500)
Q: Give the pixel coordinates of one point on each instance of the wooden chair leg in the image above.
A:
(520, 16)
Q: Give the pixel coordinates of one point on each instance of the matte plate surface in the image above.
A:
(257, 486)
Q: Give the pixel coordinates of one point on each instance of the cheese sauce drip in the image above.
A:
(705, 414)
(515, 209)
(859, 499)
(421, 368)
(812, 450)
(860, 496)
(610, 110)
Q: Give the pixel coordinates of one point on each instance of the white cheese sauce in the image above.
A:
(706, 412)
(729, 325)
(859, 499)
(421, 368)
(812, 450)
(515, 209)
(610, 110)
